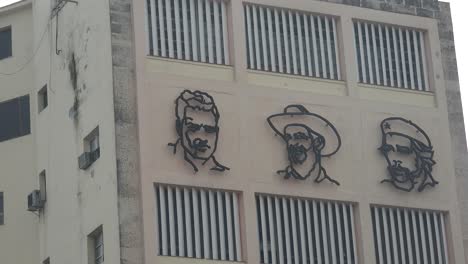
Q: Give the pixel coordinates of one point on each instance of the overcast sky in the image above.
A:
(460, 20)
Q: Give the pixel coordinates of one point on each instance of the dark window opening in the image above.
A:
(5, 43)
(14, 118)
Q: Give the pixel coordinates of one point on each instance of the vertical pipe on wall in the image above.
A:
(214, 226)
(222, 237)
(180, 222)
(188, 222)
(217, 31)
(164, 229)
(264, 40)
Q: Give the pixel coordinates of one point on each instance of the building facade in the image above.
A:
(262, 131)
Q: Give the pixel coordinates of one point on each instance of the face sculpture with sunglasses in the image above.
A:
(197, 128)
(409, 154)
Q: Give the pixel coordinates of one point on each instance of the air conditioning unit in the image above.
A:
(35, 202)
(86, 159)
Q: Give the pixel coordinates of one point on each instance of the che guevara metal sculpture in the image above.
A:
(409, 154)
(197, 127)
(308, 137)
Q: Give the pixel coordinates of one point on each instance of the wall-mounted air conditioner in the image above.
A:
(35, 201)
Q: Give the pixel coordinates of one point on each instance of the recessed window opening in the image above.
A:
(42, 99)
(5, 43)
(42, 185)
(2, 212)
(96, 246)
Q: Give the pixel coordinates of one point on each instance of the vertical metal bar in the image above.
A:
(196, 223)
(170, 37)
(256, 38)
(315, 44)
(206, 233)
(188, 223)
(225, 33)
(353, 233)
(323, 206)
(201, 30)
(194, 41)
(294, 230)
(217, 31)
(323, 69)
(235, 203)
(222, 223)
(279, 231)
(186, 30)
(209, 31)
(346, 230)
(408, 236)
(376, 54)
(308, 47)
(309, 232)
(424, 66)
(301, 44)
(329, 48)
(264, 40)
(397, 56)
(180, 223)
(400, 235)
(368, 52)
(430, 239)
(293, 42)
(271, 42)
(286, 231)
(302, 231)
(286, 41)
(410, 59)
(164, 229)
(178, 32)
(250, 38)
(214, 226)
(437, 236)
(378, 235)
(416, 239)
(171, 222)
(423, 237)
(154, 28)
(389, 55)
(417, 62)
(403, 59)
(278, 42)
(161, 28)
(337, 52)
(149, 14)
(271, 231)
(391, 214)
(229, 226)
(361, 51)
(339, 233)
(332, 232)
(382, 56)
(317, 229)
(444, 237)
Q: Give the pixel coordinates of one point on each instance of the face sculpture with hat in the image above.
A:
(409, 154)
(308, 137)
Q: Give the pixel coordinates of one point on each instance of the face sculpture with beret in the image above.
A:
(308, 138)
(409, 154)
(197, 128)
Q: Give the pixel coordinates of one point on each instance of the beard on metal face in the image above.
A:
(399, 173)
(297, 153)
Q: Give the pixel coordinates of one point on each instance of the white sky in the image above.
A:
(460, 19)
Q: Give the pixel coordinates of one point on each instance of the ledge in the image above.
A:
(182, 260)
(189, 68)
(397, 95)
(298, 83)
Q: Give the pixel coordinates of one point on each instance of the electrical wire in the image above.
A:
(20, 69)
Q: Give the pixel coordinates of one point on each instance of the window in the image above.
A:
(2, 219)
(291, 42)
(409, 236)
(42, 186)
(14, 118)
(391, 56)
(198, 223)
(5, 43)
(42, 100)
(188, 30)
(96, 246)
(297, 230)
(46, 261)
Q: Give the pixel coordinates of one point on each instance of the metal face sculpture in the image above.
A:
(409, 155)
(308, 137)
(197, 127)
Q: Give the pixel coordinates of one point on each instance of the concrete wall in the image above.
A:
(248, 146)
(18, 236)
(79, 78)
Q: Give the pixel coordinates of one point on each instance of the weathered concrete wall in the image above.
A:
(455, 112)
(126, 130)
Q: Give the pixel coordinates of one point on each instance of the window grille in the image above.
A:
(99, 248)
(409, 236)
(291, 42)
(391, 56)
(198, 223)
(194, 30)
(296, 230)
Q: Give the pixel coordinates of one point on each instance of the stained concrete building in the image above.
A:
(205, 131)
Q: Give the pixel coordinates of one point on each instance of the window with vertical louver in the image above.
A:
(391, 56)
(291, 42)
(198, 223)
(409, 236)
(303, 231)
(194, 30)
